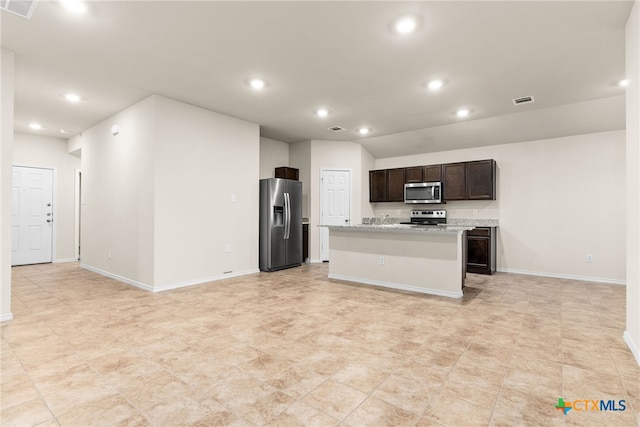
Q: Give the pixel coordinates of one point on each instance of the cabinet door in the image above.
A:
(454, 181)
(478, 250)
(287, 173)
(378, 186)
(395, 185)
(432, 173)
(481, 250)
(481, 181)
(413, 174)
(305, 242)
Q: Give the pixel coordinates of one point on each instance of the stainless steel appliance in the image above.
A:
(280, 224)
(423, 192)
(436, 217)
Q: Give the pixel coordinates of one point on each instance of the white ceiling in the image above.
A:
(340, 55)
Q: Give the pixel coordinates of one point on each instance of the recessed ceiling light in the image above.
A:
(75, 6)
(435, 84)
(257, 84)
(623, 83)
(364, 131)
(322, 112)
(72, 97)
(463, 112)
(64, 131)
(35, 126)
(405, 25)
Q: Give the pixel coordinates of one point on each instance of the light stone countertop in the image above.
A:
(403, 228)
(453, 225)
(473, 222)
(460, 222)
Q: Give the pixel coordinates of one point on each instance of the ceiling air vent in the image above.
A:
(336, 128)
(523, 100)
(22, 8)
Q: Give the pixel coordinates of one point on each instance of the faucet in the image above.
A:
(383, 217)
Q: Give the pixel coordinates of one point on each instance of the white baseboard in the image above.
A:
(170, 285)
(204, 280)
(397, 286)
(6, 317)
(565, 276)
(315, 261)
(65, 260)
(632, 346)
(118, 278)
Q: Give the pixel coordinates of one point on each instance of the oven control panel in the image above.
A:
(431, 213)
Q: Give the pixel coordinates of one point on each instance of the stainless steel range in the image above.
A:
(428, 217)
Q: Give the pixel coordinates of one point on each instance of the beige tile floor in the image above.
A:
(294, 348)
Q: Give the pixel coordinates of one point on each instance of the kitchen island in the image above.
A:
(429, 260)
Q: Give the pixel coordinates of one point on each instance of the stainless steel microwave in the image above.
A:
(423, 192)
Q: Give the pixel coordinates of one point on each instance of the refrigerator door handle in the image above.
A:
(287, 216)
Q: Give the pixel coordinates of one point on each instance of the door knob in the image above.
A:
(48, 220)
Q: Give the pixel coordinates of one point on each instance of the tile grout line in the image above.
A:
(35, 387)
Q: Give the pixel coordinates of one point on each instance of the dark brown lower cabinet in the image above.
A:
(481, 250)
(305, 242)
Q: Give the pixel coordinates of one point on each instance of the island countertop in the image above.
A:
(401, 228)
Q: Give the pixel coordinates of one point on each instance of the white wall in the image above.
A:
(117, 195)
(7, 70)
(366, 208)
(557, 201)
(273, 154)
(334, 155)
(203, 161)
(47, 152)
(300, 158)
(158, 210)
(632, 333)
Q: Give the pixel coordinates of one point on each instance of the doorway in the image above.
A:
(78, 210)
(335, 203)
(32, 216)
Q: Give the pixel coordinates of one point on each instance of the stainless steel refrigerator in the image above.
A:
(280, 224)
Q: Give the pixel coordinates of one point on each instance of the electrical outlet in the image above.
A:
(589, 258)
(227, 248)
(381, 261)
(109, 254)
(475, 212)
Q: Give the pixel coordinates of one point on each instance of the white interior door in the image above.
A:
(335, 204)
(32, 216)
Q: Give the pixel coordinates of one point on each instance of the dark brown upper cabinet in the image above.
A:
(386, 185)
(481, 181)
(395, 185)
(287, 173)
(470, 180)
(461, 181)
(378, 186)
(413, 174)
(455, 181)
(432, 173)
